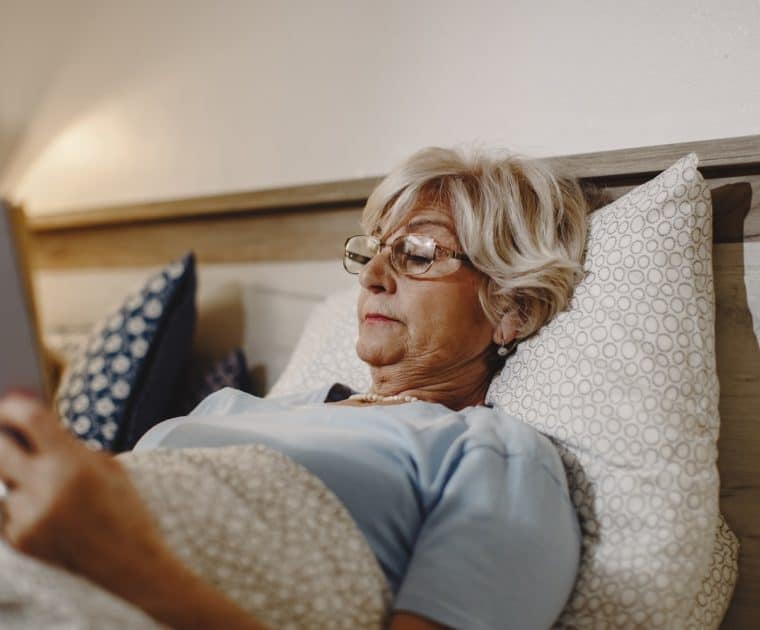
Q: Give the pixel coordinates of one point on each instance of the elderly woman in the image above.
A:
(465, 507)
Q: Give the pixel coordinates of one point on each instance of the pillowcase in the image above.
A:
(326, 351)
(126, 376)
(625, 384)
(230, 371)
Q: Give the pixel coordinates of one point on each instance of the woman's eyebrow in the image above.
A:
(425, 221)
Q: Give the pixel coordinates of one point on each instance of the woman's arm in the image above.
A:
(78, 509)
(165, 589)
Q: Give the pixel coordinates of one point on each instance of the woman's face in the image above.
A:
(425, 326)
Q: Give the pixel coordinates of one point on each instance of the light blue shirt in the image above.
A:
(467, 512)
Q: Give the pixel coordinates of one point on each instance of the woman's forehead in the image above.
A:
(422, 218)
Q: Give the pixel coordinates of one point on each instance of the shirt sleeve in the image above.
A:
(500, 548)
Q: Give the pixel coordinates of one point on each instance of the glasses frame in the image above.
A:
(440, 253)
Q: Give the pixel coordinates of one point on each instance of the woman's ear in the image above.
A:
(507, 329)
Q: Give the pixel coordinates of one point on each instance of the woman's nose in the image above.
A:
(378, 274)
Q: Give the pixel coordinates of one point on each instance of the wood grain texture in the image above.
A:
(304, 197)
(262, 236)
(744, 611)
(738, 361)
(738, 154)
(314, 233)
(741, 155)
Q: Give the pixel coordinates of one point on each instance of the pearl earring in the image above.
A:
(506, 350)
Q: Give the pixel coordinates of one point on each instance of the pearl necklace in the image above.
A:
(368, 397)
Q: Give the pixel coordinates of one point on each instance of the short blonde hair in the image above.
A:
(520, 224)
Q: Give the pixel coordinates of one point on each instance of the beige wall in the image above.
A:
(258, 307)
(169, 99)
(146, 100)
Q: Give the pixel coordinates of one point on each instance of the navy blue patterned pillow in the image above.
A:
(126, 377)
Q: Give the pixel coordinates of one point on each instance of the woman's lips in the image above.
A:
(378, 318)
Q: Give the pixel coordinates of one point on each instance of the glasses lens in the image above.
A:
(413, 254)
(358, 252)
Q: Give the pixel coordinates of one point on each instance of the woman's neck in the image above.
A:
(456, 388)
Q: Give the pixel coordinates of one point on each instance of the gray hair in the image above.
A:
(521, 224)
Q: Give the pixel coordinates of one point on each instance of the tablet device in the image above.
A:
(22, 361)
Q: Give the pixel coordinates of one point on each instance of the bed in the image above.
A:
(228, 231)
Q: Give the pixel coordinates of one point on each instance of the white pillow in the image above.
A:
(625, 384)
(326, 351)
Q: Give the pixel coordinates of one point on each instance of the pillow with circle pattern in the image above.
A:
(125, 378)
(625, 384)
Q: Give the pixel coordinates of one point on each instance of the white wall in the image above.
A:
(169, 99)
(112, 102)
(35, 36)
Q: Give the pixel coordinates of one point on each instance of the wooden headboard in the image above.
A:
(263, 225)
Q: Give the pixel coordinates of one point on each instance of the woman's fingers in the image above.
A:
(20, 526)
(14, 459)
(28, 421)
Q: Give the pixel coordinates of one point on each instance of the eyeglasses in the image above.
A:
(411, 255)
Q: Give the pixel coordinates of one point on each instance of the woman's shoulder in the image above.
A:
(498, 428)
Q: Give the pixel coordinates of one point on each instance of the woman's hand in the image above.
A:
(67, 505)
(78, 509)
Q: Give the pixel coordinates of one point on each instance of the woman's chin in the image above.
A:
(378, 354)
